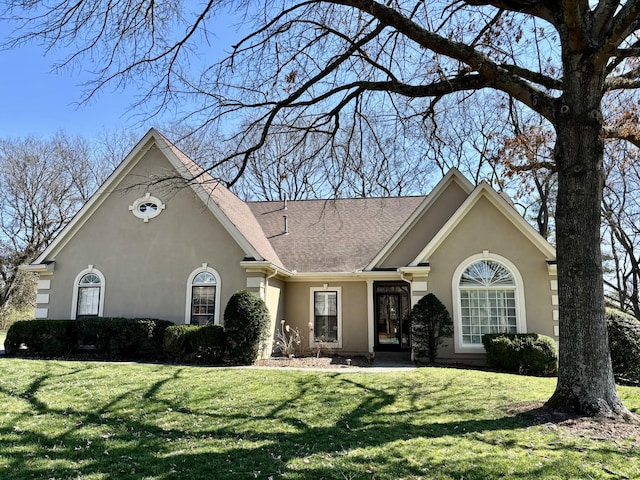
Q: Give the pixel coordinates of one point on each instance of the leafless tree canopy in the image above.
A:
(42, 184)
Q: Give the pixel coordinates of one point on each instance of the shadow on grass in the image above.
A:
(145, 433)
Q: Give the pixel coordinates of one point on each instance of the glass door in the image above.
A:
(393, 330)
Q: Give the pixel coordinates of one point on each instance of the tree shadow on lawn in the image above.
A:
(279, 441)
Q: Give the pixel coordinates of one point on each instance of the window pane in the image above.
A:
(203, 303)
(489, 311)
(325, 306)
(88, 300)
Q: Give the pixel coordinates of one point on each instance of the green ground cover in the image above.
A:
(73, 420)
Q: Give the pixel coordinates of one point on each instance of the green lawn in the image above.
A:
(72, 420)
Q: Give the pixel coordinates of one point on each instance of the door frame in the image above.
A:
(405, 298)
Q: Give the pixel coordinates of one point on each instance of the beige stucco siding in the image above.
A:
(485, 228)
(297, 312)
(426, 227)
(146, 265)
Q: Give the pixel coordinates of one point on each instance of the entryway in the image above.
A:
(392, 309)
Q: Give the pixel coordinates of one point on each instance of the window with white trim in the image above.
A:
(489, 300)
(147, 207)
(203, 297)
(326, 316)
(88, 294)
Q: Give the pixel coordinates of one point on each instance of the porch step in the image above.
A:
(392, 358)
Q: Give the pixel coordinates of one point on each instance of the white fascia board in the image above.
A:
(509, 212)
(357, 276)
(99, 196)
(266, 267)
(451, 176)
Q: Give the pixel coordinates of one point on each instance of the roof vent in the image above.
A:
(284, 207)
(286, 224)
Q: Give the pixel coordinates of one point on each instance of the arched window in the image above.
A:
(88, 295)
(203, 297)
(489, 300)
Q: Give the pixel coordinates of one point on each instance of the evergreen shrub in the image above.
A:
(41, 338)
(125, 338)
(246, 320)
(524, 353)
(114, 338)
(430, 325)
(195, 344)
(624, 344)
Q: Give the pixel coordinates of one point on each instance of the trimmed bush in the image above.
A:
(42, 338)
(115, 338)
(195, 344)
(125, 338)
(624, 344)
(430, 325)
(246, 320)
(524, 353)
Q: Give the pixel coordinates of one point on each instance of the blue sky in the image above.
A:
(35, 100)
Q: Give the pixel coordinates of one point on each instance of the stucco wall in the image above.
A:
(146, 265)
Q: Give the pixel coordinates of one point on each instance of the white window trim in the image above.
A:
(521, 320)
(76, 283)
(187, 311)
(312, 295)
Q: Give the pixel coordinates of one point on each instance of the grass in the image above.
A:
(72, 420)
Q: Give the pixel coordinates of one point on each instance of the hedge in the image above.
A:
(113, 338)
(42, 338)
(195, 344)
(524, 353)
(624, 344)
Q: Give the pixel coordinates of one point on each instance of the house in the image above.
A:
(344, 271)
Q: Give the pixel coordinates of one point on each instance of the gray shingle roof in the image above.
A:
(341, 235)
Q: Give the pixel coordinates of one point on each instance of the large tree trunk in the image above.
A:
(585, 381)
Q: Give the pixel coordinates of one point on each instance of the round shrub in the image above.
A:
(524, 353)
(246, 320)
(194, 343)
(624, 344)
(430, 325)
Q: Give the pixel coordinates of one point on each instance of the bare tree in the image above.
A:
(621, 214)
(42, 184)
(332, 63)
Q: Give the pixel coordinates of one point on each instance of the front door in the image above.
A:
(393, 329)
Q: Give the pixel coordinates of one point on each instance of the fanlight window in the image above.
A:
(487, 301)
(486, 273)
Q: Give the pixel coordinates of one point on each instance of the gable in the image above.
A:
(486, 221)
(166, 161)
(436, 212)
